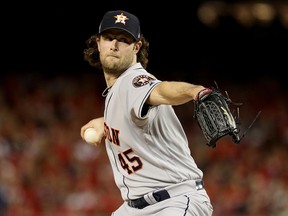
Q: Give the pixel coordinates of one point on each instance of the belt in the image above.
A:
(158, 196)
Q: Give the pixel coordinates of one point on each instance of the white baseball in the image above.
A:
(90, 135)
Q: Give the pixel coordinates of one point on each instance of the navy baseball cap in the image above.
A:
(121, 20)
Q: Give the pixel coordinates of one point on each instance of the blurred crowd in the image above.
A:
(47, 169)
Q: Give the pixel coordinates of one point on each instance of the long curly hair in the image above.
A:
(91, 53)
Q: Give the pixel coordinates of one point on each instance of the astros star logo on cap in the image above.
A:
(121, 18)
(118, 20)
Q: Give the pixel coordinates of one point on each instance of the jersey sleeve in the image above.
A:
(137, 90)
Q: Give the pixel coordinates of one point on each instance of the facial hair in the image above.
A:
(116, 66)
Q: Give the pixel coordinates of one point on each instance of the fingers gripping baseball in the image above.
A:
(93, 131)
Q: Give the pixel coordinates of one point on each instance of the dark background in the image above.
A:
(49, 38)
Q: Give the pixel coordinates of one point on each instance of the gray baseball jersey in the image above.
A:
(147, 146)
